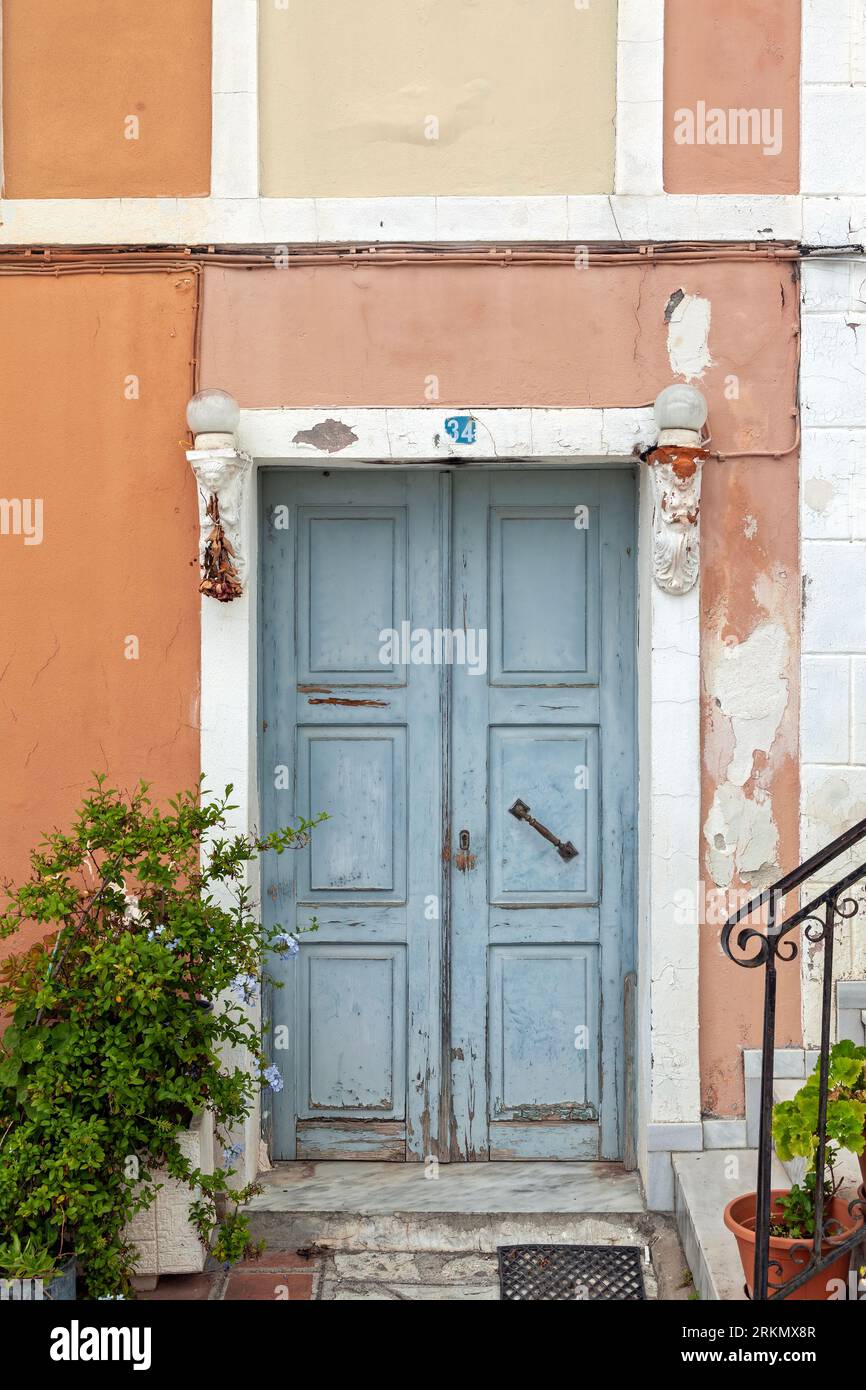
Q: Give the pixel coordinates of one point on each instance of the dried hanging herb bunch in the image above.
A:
(220, 571)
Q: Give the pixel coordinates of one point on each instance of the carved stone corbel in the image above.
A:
(675, 469)
(676, 483)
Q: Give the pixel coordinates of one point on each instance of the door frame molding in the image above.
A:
(668, 704)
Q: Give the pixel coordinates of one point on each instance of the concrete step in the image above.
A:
(464, 1207)
(704, 1183)
(847, 1168)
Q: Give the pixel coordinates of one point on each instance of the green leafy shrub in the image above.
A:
(25, 1260)
(795, 1122)
(795, 1134)
(120, 1018)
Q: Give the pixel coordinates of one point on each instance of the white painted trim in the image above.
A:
(415, 435)
(280, 221)
(640, 97)
(227, 741)
(668, 697)
(669, 819)
(235, 97)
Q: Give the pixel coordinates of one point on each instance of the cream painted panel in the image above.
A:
(409, 97)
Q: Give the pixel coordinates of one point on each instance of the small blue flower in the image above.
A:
(230, 1153)
(245, 989)
(157, 932)
(274, 1079)
(291, 943)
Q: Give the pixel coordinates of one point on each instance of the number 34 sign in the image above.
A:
(461, 429)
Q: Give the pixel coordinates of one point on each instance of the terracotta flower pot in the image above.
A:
(740, 1220)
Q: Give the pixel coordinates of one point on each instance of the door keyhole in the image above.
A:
(464, 860)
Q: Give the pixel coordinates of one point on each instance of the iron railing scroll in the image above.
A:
(766, 946)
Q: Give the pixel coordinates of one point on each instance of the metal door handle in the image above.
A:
(564, 848)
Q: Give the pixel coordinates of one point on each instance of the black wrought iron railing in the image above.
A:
(766, 945)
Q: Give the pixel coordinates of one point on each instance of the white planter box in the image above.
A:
(167, 1241)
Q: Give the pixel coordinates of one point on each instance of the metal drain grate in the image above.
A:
(593, 1273)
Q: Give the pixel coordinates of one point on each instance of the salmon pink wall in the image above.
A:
(118, 549)
(343, 336)
(732, 55)
(75, 72)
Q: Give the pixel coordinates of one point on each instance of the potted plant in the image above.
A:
(792, 1228)
(792, 1213)
(121, 1019)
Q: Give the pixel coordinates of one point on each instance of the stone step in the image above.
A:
(704, 1183)
(465, 1207)
(847, 1168)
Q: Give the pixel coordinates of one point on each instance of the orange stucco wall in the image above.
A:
(343, 336)
(732, 55)
(120, 534)
(67, 99)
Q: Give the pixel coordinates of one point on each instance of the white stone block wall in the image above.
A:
(833, 459)
(833, 529)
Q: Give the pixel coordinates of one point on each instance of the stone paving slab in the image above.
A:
(397, 1275)
(448, 1293)
(410, 1276)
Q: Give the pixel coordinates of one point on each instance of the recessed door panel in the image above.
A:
(352, 1061)
(358, 775)
(543, 1033)
(543, 569)
(555, 772)
(351, 588)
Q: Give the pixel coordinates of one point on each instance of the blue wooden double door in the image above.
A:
(448, 670)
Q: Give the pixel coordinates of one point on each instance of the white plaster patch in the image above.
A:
(832, 801)
(818, 493)
(741, 838)
(751, 689)
(750, 527)
(688, 337)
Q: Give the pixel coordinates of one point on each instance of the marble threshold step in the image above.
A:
(704, 1183)
(465, 1206)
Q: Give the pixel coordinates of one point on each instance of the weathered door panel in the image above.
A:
(543, 562)
(357, 1030)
